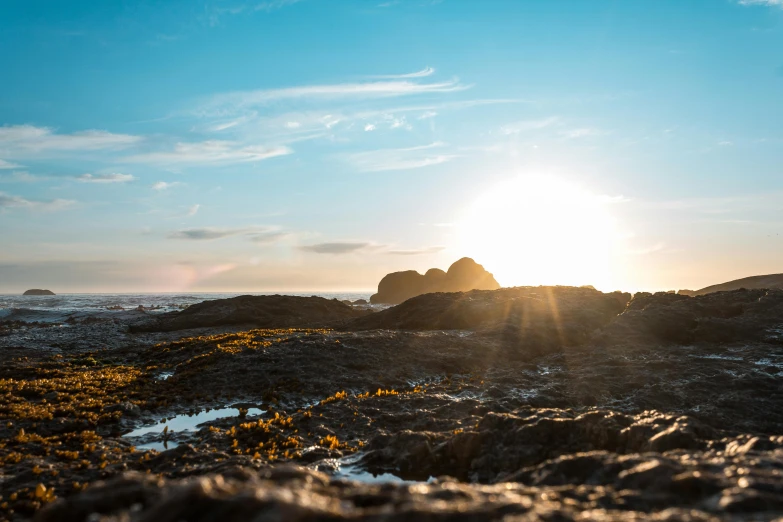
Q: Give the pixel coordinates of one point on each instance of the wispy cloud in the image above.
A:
(228, 103)
(106, 178)
(8, 165)
(23, 140)
(212, 233)
(400, 159)
(336, 248)
(775, 3)
(417, 252)
(427, 71)
(213, 151)
(267, 237)
(21, 176)
(193, 210)
(164, 185)
(10, 202)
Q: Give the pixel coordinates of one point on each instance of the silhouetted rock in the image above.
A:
(38, 291)
(771, 281)
(462, 276)
(539, 317)
(360, 302)
(264, 311)
(721, 317)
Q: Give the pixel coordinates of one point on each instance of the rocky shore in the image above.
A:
(545, 403)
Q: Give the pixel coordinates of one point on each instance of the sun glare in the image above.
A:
(531, 230)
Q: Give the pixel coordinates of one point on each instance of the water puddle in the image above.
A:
(348, 468)
(157, 446)
(187, 422)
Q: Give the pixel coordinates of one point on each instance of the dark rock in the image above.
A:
(265, 311)
(38, 291)
(760, 282)
(544, 317)
(721, 317)
(360, 302)
(462, 276)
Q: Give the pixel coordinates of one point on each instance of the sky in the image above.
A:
(316, 145)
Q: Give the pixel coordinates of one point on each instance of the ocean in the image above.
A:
(59, 307)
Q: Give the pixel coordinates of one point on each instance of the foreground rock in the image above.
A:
(585, 486)
(265, 311)
(761, 282)
(462, 276)
(38, 291)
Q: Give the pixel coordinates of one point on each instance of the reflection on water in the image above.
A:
(158, 446)
(186, 422)
(348, 468)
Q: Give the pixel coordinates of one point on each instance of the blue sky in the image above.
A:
(319, 144)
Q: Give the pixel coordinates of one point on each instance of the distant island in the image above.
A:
(38, 291)
(462, 276)
(767, 282)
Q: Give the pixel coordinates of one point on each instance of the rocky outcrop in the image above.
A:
(260, 311)
(539, 317)
(462, 276)
(771, 281)
(38, 291)
(722, 317)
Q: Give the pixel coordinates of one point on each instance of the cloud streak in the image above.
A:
(229, 102)
(771, 3)
(335, 248)
(400, 159)
(164, 185)
(106, 178)
(23, 140)
(8, 165)
(12, 202)
(211, 152)
(254, 234)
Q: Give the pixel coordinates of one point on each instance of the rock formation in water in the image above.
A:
(462, 276)
(770, 281)
(38, 291)
(261, 311)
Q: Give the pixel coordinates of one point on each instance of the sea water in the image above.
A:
(54, 308)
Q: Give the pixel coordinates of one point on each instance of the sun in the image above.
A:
(533, 230)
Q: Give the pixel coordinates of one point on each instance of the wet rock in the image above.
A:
(642, 492)
(266, 311)
(462, 276)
